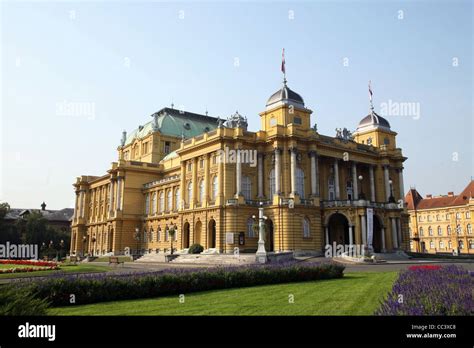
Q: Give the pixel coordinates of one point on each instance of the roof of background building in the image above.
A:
(50, 215)
(176, 123)
(415, 200)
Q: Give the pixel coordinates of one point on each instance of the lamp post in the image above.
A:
(137, 237)
(261, 254)
(84, 241)
(172, 232)
(361, 194)
(391, 199)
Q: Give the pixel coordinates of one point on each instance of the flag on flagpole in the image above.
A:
(283, 70)
(370, 93)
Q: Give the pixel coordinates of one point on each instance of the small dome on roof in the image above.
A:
(373, 120)
(285, 94)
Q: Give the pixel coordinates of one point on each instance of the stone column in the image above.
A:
(293, 170)
(363, 225)
(205, 199)
(372, 183)
(260, 157)
(383, 240)
(111, 197)
(400, 181)
(351, 241)
(182, 188)
(312, 156)
(119, 193)
(277, 171)
(399, 232)
(192, 204)
(220, 175)
(81, 203)
(326, 233)
(387, 183)
(355, 185)
(238, 175)
(336, 178)
(394, 233)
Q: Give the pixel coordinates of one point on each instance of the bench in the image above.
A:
(114, 260)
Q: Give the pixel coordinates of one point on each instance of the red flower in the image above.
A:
(426, 267)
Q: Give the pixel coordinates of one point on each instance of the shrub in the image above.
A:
(20, 301)
(105, 287)
(431, 290)
(196, 249)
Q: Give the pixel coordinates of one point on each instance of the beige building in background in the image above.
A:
(315, 189)
(442, 224)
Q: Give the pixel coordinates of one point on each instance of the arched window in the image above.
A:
(349, 190)
(471, 244)
(250, 231)
(272, 182)
(169, 203)
(151, 235)
(469, 229)
(153, 203)
(432, 245)
(201, 190)
(300, 182)
(162, 202)
(461, 244)
(441, 244)
(147, 204)
(215, 187)
(450, 245)
(177, 198)
(430, 231)
(190, 192)
(331, 188)
(458, 229)
(158, 234)
(421, 231)
(246, 188)
(440, 231)
(306, 228)
(167, 234)
(448, 230)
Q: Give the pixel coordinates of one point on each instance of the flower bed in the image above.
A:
(103, 287)
(431, 290)
(35, 266)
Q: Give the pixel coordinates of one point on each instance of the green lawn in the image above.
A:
(355, 294)
(120, 258)
(80, 268)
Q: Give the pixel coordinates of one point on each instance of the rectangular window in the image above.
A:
(201, 163)
(167, 148)
(297, 120)
(190, 166)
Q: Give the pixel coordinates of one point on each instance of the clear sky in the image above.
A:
(118, 62)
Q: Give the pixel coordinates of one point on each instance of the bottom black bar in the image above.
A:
(141, 331)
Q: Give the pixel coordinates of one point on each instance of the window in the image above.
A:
(190, 166)
(214, 159)
(441, 244)
(297, 120)
(147, 203)
(447, 216)
(151, 235)
(430, 231)
(190, 191)
(432, 245)
(461, 244)
(468, 214)
(167, 234)
(369, 141)
(273, 121)
(386, 141)
(169, 203)
(246, 187)
(440, 231)
(469, 229)
(429, 218)
(450, 245)
(158, 234)
(471, 244)
(300, 182)
(458, 216)
(167, 148)
(448, 230)
(201, 190)
(250, 231)
(201, 163)
(420, 218)
(272, 182)
(215, 187)
(306, 228)
(162, 202)
(438, 218)
(458, 229)
(331, 189)
(153, 203)
(421, 231)
(349, 190)
(177, 198)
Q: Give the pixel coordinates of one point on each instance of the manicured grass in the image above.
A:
(64, 269)
(354, 294)
(106, 259)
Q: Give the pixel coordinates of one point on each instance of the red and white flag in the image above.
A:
(370, 92)
(283, 62)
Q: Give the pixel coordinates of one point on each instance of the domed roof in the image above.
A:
(373, 120)
(285, 95)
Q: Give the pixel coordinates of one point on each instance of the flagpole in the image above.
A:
(370, 101)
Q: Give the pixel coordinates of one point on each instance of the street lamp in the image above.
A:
(137, 237)
(361, 194)
(172, 232)
(84, 240)
(391, 199)
(261, 252)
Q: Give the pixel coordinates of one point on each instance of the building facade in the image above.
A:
(442, 224)
(205, 178)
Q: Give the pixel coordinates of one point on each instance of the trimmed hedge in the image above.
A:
(101, 288)
(196, 249)
(14, 302)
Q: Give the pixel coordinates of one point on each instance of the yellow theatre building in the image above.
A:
(442, 224)
(205, 177)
